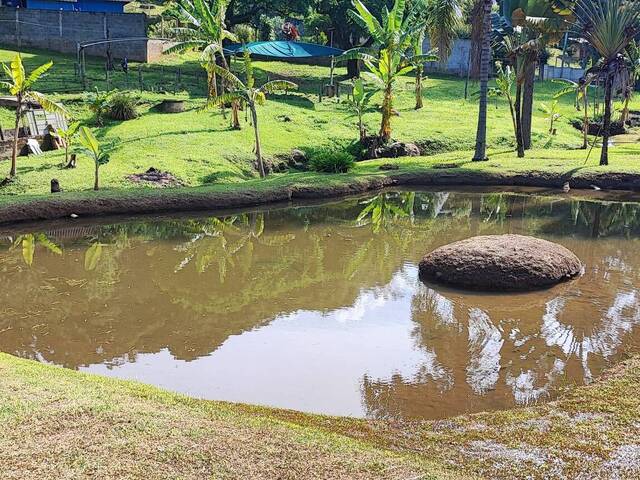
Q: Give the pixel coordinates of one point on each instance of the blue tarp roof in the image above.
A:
(285, 50)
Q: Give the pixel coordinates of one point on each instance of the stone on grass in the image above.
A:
(501, 263)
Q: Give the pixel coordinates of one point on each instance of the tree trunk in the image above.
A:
(585, 125)
(96, 177)
(625, 111)
(363, 134)
(481, 134)
(387, 107)
(527, 102)
(353, 68)
(16, 131)
(519, 142)
(476, 38)
(513, 114)
(254, 117)
(419, 102)
(606, 127)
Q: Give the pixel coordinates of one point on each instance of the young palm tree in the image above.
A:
(21, 86)
(580, 90)
(485, 61)
(68, 136)
(385, 61)
(609, 26)
(632, 54)
(250, 96)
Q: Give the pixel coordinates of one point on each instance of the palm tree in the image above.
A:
(633, 63)
(205, 31)
(250, 96)
(580, 90)
(21, 86)
(608, 26)
(68, 135)
(485, 61)
(385, 61)
(443, 18)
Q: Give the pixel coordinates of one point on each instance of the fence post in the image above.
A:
(140, 83)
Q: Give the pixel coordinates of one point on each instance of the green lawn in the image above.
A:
(200, 149)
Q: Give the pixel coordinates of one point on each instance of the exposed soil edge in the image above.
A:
(198, 199)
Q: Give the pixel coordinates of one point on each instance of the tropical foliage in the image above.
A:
(250, 96)
(20, 84)
(95, 151)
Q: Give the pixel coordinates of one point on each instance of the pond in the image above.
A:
(319, 308)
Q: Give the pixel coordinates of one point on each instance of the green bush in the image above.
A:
(244, 33)
(331, 161)
(122, 106)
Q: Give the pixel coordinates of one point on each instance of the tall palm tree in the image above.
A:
(385, 61)
(608, 26)
(21, 86)
(443, 18)
(485, 61)
(249, 95)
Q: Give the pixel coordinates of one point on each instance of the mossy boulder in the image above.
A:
(501, 263)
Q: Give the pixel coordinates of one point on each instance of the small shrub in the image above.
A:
(122, 106)
(332, 161)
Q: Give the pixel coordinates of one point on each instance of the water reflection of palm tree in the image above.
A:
(30, 241)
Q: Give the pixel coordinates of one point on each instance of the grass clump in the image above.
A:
(331, 161)
(122, 106)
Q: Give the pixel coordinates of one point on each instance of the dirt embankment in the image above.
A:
(174, 200)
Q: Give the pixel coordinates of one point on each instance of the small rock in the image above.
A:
(389, 166)
(73, 215)
(55, 186)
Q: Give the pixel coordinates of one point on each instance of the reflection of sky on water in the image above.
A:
(285, 362)
(314, 310)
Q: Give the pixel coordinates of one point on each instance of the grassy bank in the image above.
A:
(63, 424)
(542, 169)
(200, 149)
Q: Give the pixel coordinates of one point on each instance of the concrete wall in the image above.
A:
(61, 31)
(457, 63)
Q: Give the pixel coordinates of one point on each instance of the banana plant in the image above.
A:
(249, 95)
(418, 60)
(505, 80)
(93, 150)
(68, 135)
(21, 86)
(391, 36)
(359, 102)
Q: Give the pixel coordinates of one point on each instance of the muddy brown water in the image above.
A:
(320, 308)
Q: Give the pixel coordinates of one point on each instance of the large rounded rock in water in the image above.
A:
(499, 263)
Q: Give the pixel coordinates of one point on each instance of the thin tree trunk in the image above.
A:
(625, 111)
(477, 25)
(604, 157)
(363, 134)
(585, 125)
(419, 102)
(387, 106)
(513, 114)
(16, 131)
(519, 142)
(96, 177)
(254, 117)
(481, 134)
(527, 103)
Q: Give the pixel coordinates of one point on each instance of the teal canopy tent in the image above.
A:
(283, 50)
